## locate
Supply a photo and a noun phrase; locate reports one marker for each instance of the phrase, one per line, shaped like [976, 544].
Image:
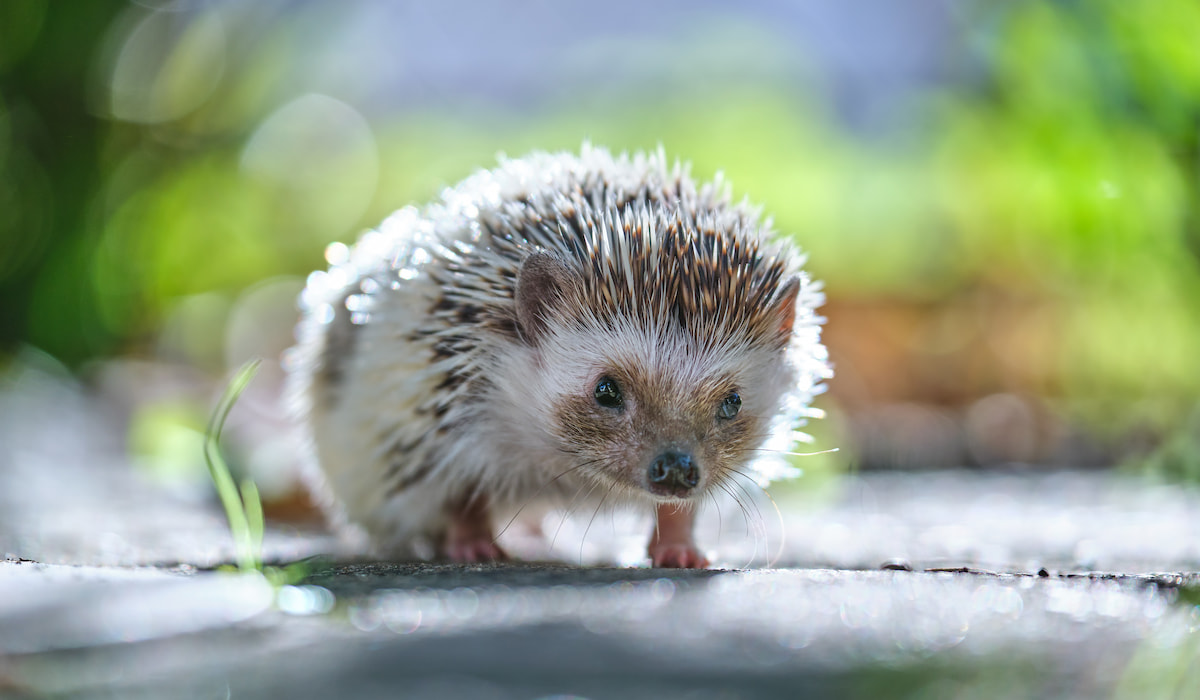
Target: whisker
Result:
[782, 530]
[745, 519]
[567, 512]
[778, 515]
[537, 493]
[720, 519]
[741, 506]
[761, 520]
[793, 454]
[587, 529]
[742, 487]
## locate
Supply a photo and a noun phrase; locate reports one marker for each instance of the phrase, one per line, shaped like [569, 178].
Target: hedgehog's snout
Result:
[673, 473]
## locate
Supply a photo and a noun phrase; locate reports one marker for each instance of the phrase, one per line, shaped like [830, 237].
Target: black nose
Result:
[674, 470]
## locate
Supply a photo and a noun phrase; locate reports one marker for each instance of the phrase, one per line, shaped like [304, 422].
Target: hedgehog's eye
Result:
[729, 406]
[608, 394]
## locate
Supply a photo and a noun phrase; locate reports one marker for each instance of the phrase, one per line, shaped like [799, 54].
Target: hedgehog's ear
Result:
[543, 281]
[785, 306]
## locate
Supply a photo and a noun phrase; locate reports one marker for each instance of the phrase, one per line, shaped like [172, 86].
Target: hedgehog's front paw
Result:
[676, 555]
[469, 538]
[671, 544]
[472, 551]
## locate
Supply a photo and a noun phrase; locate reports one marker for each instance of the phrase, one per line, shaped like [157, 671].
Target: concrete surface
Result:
[921, 585]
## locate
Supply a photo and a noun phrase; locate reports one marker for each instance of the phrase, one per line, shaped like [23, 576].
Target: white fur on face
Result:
[668, 380]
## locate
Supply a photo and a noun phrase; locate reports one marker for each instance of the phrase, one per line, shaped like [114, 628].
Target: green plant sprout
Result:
[243, 507]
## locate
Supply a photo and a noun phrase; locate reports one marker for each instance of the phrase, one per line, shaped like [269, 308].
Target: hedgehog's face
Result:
[664, 419]
[640, 402]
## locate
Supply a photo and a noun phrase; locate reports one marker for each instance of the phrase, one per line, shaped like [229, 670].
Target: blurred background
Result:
[1001, 199]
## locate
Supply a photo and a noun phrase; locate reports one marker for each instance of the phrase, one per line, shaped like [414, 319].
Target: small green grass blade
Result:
[243, 510]
[254, 520]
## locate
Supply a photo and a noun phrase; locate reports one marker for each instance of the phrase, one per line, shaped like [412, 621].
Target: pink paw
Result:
[676, 556]
[473, 551]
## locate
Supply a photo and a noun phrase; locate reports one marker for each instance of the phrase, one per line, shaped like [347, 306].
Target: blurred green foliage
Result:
[148, 159]
[1073, 178]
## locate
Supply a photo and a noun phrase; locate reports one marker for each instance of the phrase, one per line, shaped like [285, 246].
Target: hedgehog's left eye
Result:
[729, 406]
[608, 394]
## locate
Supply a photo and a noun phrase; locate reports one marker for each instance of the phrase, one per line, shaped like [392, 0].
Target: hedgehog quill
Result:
[559, 327]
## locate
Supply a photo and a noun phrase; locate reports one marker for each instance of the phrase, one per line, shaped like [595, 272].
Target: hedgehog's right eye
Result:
[730, 406]
[608, 394]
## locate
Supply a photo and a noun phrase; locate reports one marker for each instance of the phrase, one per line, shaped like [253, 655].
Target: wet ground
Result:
[936, 585]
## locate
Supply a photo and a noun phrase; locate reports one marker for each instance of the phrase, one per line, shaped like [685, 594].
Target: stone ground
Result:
[927, 585]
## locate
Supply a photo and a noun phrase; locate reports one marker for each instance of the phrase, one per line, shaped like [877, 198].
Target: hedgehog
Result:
[561, 329]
